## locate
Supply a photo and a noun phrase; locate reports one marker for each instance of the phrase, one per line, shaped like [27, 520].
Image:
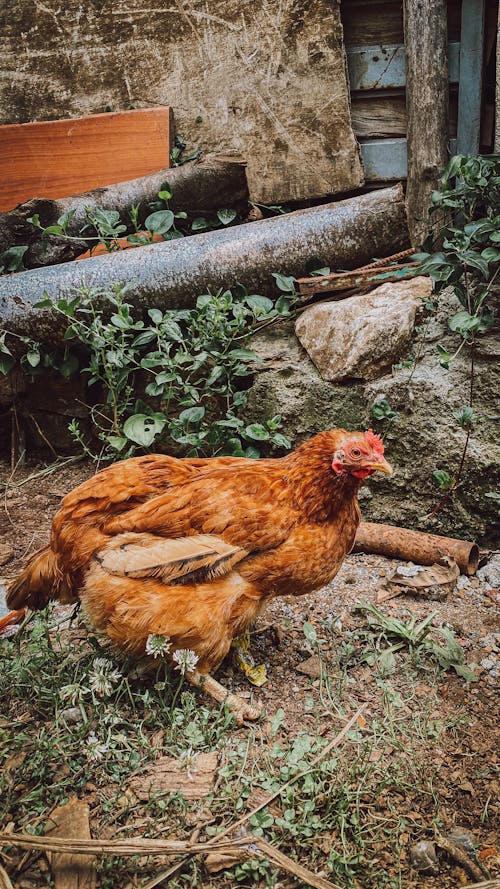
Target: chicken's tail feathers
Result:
[39, 581]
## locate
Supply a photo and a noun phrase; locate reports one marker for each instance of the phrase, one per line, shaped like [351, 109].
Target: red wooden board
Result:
[58, 158]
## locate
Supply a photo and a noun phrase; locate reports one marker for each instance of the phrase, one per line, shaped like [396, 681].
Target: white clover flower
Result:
[72, 693]
[186, 660]
[110, 718]
[188, 760]
[103, 676]
[157, 645]
[95, 750]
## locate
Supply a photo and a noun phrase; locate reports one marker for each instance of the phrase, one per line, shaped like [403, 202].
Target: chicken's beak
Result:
[382, 466]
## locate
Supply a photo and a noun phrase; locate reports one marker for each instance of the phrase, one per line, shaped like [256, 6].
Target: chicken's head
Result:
[361, 454]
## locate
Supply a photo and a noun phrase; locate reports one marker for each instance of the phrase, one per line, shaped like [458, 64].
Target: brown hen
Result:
[193, 549]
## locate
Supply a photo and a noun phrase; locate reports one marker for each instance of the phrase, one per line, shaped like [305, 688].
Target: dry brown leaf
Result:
[217, 861]
[70, 871]
[310, 667]
[170, 775]
[438, 579]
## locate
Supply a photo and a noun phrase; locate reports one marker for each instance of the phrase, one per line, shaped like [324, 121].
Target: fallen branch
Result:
[200, 187]
[172, 274]
[125, 848]
[138, 846]
[415, 546]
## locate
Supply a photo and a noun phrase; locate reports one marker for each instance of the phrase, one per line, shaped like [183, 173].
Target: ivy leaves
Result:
[192, 368]
[469, 260]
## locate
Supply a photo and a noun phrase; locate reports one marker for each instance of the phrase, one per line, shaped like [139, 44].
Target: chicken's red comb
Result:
[375, 442]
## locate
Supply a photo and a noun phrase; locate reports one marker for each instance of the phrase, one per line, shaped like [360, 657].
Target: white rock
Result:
[360, 337]
[489, 575]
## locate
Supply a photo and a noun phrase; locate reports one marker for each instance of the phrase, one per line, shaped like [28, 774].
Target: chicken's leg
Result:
[239, 707]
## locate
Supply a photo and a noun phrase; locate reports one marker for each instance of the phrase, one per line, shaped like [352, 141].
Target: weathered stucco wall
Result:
[423, 437]
[267, 79]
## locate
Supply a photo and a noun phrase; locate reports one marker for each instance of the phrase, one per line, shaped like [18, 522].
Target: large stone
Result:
[361, 337]
[287, 383]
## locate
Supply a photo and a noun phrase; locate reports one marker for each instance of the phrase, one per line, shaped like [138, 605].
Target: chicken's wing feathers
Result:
[179, 560]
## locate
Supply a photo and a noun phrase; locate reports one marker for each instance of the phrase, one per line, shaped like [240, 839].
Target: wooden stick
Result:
[5, 882]
[139, 846]
[287, 864]
[132, 846]
[415, 546]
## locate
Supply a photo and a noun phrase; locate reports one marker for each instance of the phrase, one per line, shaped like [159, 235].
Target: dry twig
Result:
[4, 879]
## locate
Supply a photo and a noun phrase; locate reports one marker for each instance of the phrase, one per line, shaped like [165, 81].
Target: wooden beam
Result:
[426, 45]
[471, 77]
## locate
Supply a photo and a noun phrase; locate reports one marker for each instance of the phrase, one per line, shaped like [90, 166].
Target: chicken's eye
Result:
[355, 453]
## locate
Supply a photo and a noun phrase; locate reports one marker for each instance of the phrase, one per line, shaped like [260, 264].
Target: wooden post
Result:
[426, 43]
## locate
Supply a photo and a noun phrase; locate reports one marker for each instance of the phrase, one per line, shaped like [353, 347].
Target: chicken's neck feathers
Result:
[316, 489]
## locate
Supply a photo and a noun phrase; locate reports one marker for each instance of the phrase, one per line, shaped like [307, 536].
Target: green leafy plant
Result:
[382, 410]
[468, 261]
[106, 227]
[443, 479]
[416, 636]
[192, 367]
[11, 260]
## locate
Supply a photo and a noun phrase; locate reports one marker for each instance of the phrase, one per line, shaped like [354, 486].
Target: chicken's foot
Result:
[239, 707]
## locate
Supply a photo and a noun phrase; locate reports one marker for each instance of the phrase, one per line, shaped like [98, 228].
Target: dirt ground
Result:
[451, 724]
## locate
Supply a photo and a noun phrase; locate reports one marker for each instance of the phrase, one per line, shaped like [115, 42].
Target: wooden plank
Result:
[369, 22]
[378, 116]
[386, 159]
[384, 116]
[366, 24]
[471, 70]
[384, 67]
[58, 158]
